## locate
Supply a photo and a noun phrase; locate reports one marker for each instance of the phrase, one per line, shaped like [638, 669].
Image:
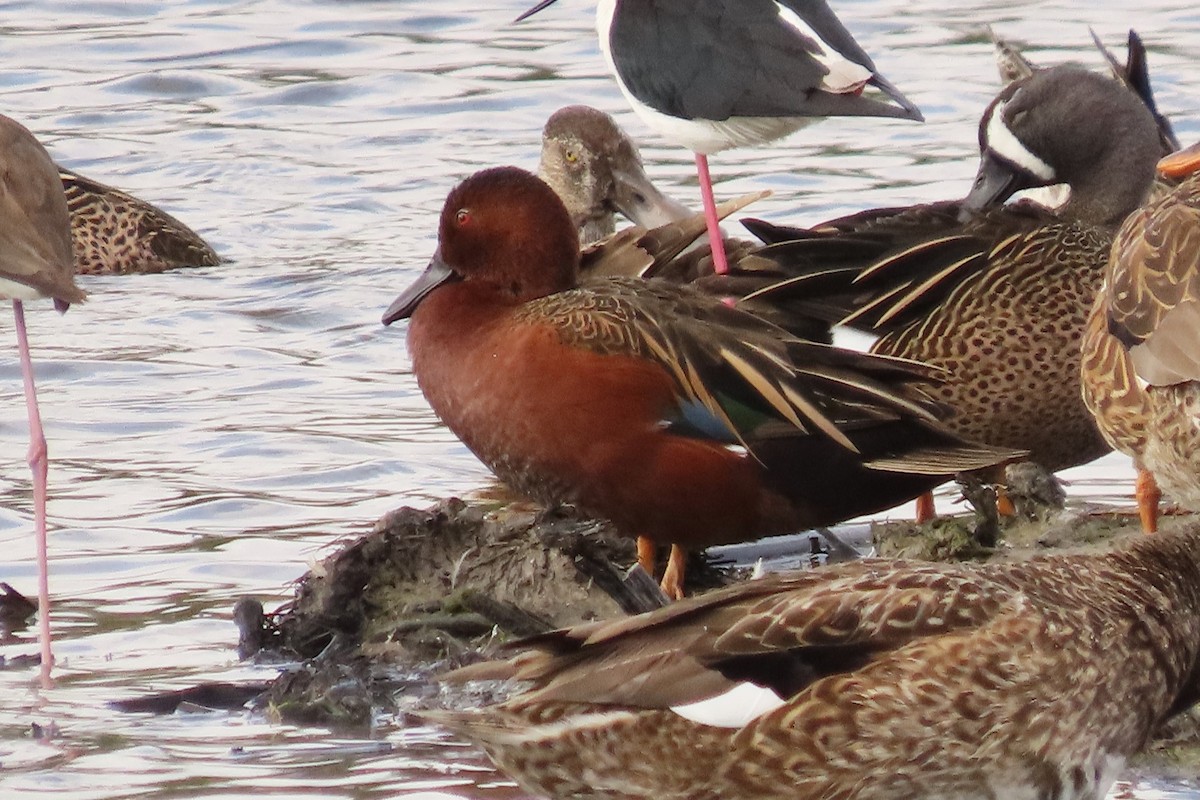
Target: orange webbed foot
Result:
[672, 582]
[1004, 503]
[1148, 497]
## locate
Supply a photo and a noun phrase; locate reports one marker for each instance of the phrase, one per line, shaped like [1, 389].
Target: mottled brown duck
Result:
[998, 297]
[1141, 352]
[115, 233]
[35, 264]
[872, 680]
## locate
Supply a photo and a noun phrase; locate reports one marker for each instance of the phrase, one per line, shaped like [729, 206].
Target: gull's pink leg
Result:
[720, 264]
[38, 463]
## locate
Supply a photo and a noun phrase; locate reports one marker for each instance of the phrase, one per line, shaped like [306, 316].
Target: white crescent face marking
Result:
[844, 75]
[1004, 143]
[735, 708]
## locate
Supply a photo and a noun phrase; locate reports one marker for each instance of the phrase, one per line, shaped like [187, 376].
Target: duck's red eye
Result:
[462, 217]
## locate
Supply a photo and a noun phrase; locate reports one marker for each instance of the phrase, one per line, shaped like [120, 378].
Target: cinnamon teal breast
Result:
[649, 403]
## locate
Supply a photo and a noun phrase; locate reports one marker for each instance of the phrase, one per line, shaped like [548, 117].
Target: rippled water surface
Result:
[212, 431]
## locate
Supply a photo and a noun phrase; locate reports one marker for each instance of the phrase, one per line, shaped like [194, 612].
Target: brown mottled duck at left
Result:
[115, 233]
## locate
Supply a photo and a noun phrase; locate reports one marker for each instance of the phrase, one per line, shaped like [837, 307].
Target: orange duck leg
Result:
[672, 580]
[1148, 497]
[1004, 503]
[925, 508]
[647, 554]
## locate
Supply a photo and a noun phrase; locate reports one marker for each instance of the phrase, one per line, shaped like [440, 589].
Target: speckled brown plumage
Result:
[1010, 336]
[1141, 357]
[113, 232]
[897, 679]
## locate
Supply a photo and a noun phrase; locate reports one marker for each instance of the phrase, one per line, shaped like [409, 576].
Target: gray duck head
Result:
[597, 171]
[1068, 125]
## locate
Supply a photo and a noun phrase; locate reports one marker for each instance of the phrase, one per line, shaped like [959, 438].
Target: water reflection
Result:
[212, 431]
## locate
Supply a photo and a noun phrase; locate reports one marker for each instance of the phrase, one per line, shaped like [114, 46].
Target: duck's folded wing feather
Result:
[780, 633]
[1154, 292]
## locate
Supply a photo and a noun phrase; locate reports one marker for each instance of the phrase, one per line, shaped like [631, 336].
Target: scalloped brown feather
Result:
[114, 232]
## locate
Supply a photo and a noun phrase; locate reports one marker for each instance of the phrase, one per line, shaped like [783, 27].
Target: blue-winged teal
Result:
[996, 296]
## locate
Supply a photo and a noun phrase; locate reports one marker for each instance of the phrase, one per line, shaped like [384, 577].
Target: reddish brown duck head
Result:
[504, 231]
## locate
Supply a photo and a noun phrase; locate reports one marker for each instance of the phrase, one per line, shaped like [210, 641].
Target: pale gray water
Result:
[212, 431]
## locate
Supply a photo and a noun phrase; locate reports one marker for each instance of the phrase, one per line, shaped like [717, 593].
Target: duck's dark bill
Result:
[434, 276]
[641, 201]
[995, 182]
[534, 10]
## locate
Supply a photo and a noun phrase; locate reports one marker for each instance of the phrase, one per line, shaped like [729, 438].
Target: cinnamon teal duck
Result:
[1141, 359]
[649, 403]
[715, 74]
[113, 232]
[997, 296]
[870, 680]
[35, 264]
